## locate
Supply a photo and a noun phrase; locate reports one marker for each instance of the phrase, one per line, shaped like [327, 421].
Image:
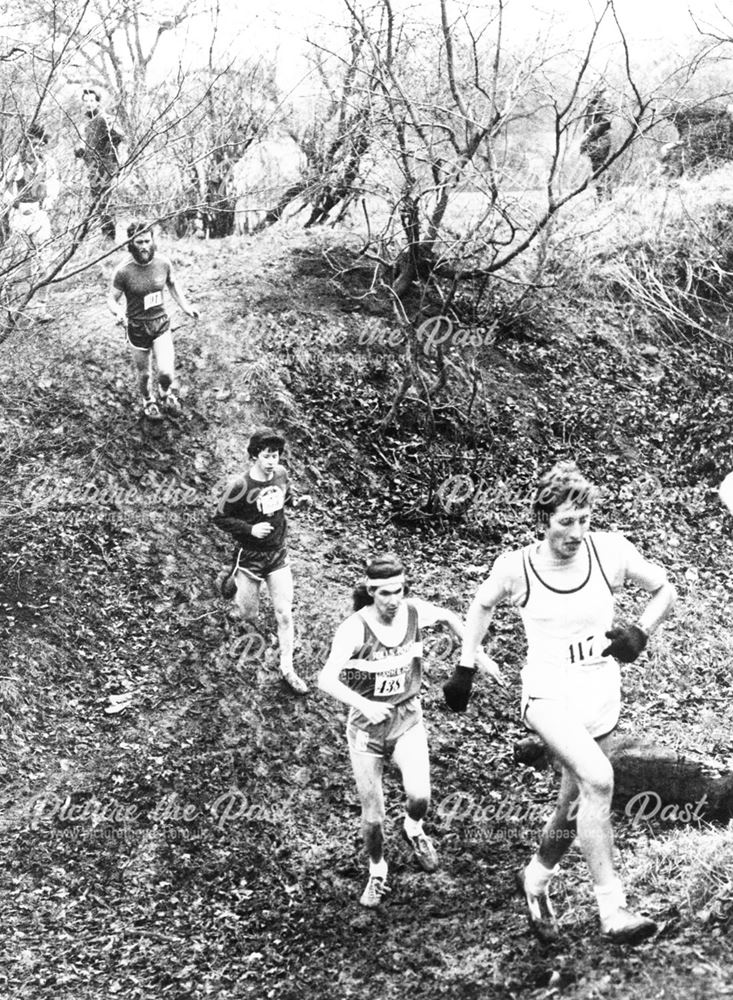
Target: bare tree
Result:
[340, 132]
[460, 227]
[451, 102]
[335, 140]
[34, 72]
[115, 46]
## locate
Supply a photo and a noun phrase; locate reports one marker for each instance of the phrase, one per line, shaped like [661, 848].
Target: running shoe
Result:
[151, 411]
[226, 584]
[540, 913]
[294, 682]
[170, 403]
[424, 850]
[375, 889]
[626, 927]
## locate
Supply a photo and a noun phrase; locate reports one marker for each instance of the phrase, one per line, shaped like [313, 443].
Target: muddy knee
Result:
[597, 788]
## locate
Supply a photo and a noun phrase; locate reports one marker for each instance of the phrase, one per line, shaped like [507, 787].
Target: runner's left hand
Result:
[626, 643]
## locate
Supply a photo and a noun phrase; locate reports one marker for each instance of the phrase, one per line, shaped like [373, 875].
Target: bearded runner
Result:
[143, 279]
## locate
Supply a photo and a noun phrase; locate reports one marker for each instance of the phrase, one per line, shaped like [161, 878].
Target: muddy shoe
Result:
[170, 403]
[225, 585]
[151, 411]
[294, 682]
[375, 889]
[540, 913]
[625, 927]
[424, 851]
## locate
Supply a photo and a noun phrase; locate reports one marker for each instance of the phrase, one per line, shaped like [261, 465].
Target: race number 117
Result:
[581, 650]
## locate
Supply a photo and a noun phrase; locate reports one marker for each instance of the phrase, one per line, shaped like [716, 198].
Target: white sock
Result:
[378, 869]
[413, 827]
[610, 898]
[537, 876]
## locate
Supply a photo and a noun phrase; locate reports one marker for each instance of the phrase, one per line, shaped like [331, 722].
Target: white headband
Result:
[386, 581]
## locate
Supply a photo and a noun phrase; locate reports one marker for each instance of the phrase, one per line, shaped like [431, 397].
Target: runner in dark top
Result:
[375, 667]
[142, 279]
[252, 510]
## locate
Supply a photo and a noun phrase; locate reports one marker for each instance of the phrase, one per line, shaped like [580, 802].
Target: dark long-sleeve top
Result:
[247, 501]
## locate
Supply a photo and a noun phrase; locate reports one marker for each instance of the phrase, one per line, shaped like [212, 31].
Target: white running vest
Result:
[566, 631]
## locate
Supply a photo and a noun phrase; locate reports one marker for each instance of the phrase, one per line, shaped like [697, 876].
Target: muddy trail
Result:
[175, 822]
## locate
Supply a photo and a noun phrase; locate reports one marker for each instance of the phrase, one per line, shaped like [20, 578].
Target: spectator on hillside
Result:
[596, 142]
[101, 151]
[30, 186]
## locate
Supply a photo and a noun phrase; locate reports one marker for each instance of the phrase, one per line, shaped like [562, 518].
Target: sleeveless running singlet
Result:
[566, 631]
[390, 674]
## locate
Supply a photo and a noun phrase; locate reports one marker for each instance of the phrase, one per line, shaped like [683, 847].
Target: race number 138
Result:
[386, 685]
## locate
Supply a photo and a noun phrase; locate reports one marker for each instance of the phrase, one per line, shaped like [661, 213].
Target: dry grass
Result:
[692, 868]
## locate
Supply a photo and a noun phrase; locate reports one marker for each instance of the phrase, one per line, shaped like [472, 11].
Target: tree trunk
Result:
[275, 214]
[648, 778]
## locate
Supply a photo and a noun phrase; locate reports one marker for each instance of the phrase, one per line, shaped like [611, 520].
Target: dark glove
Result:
[626, 643]
[457, 690]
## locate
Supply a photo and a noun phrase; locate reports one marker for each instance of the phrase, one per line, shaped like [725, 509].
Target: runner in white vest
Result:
[563, 587]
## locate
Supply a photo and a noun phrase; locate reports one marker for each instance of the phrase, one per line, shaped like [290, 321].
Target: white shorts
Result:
[591, 693]
[379, 739]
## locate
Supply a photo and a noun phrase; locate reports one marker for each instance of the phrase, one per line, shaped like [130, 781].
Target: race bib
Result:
[270, 500]
[152, 299]
[389, 683]
[585, 652]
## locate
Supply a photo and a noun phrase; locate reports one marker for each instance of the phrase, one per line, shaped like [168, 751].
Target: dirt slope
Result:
[204, 841]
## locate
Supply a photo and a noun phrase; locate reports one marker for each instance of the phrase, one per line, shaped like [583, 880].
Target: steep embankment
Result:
[204, 840]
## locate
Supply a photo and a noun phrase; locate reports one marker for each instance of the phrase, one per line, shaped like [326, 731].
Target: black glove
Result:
[457, 690]
[626, 643]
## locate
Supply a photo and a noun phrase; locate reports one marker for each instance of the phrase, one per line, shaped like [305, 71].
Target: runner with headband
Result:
[563, 587]
[375, 667]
